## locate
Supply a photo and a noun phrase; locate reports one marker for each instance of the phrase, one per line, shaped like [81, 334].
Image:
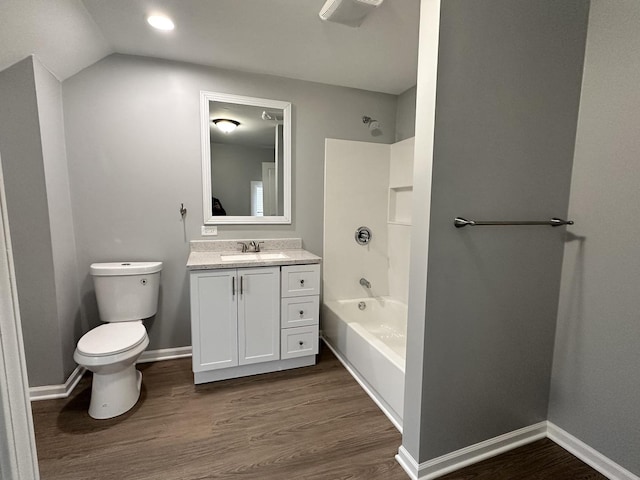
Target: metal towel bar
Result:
[460, 222]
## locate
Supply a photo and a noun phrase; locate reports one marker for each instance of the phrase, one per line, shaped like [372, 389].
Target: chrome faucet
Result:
[243, 246]
[255, 246]
[365, 283]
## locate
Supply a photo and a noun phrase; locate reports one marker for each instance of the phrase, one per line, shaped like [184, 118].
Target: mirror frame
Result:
[209, 218]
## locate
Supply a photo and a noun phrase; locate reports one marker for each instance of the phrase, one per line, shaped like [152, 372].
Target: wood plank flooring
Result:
[541, 460]
[309, 423]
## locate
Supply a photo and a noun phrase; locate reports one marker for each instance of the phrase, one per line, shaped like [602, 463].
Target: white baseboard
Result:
[480, 451]
[588, 455]
[408, 463]
[164, 354]
[51, 392]
[469, 455]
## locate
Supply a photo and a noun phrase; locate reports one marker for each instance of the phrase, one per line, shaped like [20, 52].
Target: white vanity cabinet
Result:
[300, 310]
[235, 317]
[246, 321]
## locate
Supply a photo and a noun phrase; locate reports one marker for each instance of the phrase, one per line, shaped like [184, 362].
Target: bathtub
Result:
[371, 343]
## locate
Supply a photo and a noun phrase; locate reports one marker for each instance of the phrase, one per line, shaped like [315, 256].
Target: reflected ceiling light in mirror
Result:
[160, 22]
[225, 125]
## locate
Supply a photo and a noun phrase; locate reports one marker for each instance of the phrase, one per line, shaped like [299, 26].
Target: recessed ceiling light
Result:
[160, 22]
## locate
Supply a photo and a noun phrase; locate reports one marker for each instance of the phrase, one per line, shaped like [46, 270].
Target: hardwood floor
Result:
[541, 460]
[308, 423]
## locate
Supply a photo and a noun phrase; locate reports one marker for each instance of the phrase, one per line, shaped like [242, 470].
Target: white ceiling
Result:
[60, 33]
[278, 37]
[253, 131]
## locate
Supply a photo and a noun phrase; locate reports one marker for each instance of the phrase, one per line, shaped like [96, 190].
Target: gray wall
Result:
[233, 167]
[27, 204]
[133, 146]
[595, 389]
[509, 79]
[406, 115]
[63, 246]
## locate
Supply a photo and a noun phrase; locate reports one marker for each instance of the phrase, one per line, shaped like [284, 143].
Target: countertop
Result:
[213, 260]
[209, 257]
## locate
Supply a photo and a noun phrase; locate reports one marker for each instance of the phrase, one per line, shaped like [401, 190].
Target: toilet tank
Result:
[126, 291]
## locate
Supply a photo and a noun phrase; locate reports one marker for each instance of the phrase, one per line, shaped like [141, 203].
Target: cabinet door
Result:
[214, 330]
[259, 315]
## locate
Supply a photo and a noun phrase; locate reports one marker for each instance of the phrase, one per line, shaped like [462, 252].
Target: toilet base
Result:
[114, 393]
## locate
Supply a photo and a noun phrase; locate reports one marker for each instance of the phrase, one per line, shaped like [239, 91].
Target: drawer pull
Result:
[301, 343]
[301, 313]
[302, 283]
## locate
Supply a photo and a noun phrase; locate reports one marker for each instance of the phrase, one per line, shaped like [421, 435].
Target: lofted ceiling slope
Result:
[278, 37]
[61, 33]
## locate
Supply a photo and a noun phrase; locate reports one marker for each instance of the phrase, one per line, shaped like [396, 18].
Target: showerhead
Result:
[271, 116]
[374, 125]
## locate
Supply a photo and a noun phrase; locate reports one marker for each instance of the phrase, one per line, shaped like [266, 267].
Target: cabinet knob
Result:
[301, 343]
[301, 312]
[302, 283]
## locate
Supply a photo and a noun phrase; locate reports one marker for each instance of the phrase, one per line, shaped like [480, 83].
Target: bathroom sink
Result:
[272, 256]
[239, 257]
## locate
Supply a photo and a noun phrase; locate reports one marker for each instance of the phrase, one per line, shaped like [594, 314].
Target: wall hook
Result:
[183, 211]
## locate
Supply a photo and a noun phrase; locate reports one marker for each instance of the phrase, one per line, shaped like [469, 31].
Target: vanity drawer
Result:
[299, 311]
[300, 280]
[299, 342]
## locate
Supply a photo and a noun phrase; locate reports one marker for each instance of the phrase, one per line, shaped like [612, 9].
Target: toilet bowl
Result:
[126, 293]
[110, 351]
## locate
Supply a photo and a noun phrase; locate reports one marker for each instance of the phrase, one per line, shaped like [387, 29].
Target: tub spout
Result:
[365, 283]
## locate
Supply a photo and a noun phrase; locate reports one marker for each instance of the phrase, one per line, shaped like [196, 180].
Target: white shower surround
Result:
[359, 177]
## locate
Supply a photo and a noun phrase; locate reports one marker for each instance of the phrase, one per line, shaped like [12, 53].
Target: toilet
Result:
[126, 293]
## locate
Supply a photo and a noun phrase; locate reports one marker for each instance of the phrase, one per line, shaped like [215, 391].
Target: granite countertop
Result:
[207, 254]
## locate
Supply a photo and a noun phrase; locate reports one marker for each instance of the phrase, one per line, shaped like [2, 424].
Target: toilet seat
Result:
[112, 338]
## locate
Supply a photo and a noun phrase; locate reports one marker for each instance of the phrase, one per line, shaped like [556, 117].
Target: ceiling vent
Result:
[348, 12]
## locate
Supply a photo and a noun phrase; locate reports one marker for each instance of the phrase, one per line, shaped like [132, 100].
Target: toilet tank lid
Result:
[124, 268]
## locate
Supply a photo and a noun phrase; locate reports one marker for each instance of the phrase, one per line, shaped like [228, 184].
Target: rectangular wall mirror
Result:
[246, 159]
